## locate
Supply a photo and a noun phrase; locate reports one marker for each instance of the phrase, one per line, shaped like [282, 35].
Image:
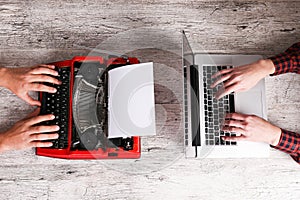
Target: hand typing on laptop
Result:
[24, 79]
[242, 78]
[253, 128]
[28, 132]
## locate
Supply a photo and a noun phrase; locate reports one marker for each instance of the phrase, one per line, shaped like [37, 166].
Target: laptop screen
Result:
[187, 53]
[191, 95]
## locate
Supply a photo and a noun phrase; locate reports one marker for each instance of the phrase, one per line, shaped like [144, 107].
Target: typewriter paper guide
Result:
[131, 107]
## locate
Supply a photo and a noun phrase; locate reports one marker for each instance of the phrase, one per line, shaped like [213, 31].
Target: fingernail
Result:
[57, 128]
[54, 90]
[52, 117]
[56, 136]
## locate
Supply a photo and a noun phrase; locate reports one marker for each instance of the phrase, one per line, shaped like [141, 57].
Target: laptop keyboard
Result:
[215, 110]
[58, 104]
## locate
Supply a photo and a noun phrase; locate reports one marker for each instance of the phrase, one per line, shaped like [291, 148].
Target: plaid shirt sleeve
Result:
[289, 143]
[289, 61]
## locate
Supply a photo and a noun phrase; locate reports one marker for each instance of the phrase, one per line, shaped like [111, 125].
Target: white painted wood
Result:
[33, 32]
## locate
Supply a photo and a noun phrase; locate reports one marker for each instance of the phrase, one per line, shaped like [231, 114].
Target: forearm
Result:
[2, 143]
[3, 76]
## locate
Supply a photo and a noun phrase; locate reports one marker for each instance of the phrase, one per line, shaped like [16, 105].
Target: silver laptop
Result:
[204, 115]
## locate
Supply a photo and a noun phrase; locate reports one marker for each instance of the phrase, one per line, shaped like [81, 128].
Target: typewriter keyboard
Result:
[58, 104]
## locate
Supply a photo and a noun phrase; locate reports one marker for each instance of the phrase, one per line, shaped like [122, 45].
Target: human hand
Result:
[251, 128]
[242, 78]
[28, 133]
[24, 79]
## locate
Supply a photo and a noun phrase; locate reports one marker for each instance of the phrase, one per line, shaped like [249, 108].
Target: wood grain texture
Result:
[33, 32]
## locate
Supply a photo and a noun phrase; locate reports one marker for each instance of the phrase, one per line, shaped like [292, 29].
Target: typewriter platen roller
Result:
[90, 107]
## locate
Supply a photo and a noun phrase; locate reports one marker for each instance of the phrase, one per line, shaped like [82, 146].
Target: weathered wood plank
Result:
[283, 100]
[95, 181]
[218, 26]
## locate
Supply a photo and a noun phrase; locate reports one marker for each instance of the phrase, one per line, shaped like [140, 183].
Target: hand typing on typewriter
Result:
[29, 133]
[24, 79]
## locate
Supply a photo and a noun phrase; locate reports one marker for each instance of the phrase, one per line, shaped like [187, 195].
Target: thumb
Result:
[31, 100]
[33, 114]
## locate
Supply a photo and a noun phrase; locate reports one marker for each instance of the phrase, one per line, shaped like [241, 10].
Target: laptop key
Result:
[215, 109]
[217, 141]
[222, 142]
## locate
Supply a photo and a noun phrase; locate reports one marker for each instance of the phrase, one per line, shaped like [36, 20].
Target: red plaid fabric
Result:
[290, 143]
[289, 61]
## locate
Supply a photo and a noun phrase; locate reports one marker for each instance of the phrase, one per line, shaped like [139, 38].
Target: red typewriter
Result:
[80, 109]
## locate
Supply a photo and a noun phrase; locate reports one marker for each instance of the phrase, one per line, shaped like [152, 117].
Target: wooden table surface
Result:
[42, 31]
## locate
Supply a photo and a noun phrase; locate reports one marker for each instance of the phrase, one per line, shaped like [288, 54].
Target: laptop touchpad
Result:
[250, 102]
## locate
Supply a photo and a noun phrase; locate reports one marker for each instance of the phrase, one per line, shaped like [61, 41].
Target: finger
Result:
[44, 70]
[234, 138]
[41, 137]
[33, 114]
[31, 100]
[42, 88]
[220, 80]
[39, 119]
[43, 129]
[40, 144]
[223, 92]
[230, 81]
[233, 129]
[48, 66]
[236, 116]
[45, 78]
[224, 71]
[234, 123]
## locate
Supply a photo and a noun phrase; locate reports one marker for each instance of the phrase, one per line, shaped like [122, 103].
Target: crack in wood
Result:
[154, 148]
[217, 8]
[71, 172]
[287, 30]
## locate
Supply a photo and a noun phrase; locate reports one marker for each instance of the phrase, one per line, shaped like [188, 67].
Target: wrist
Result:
[267, 65]
[275, 137]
